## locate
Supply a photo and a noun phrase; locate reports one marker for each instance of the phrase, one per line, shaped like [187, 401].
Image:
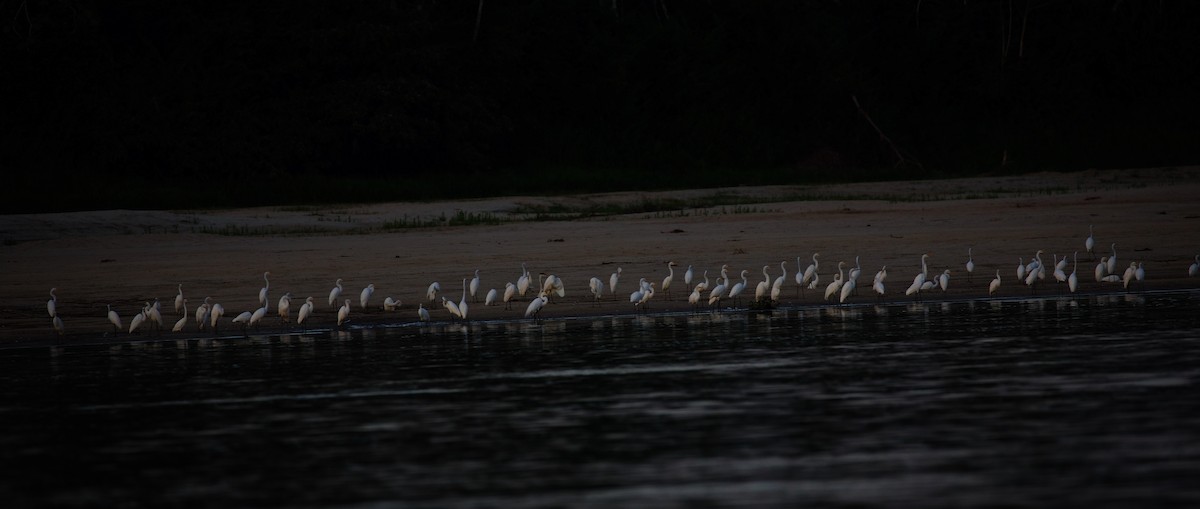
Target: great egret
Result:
[777, 286]
[1112, 260]
[1020, 269]
[944, 280]
[523, 281]
[422, 313]
[243, 318]
[390, 304]
[179, 325]
[644, 302]
[215, 315]
[922, 277]
[848, 286]
[612, 281]
[687, 275]
[258, 316]
[836, 284]
[1073, 280]
[1128, 275]
[735, 292]
[57, 323]
[462, 303]
[262, 292]
[115, 319]
[1102, 269]
[431, 293]
[451, 307]
[180, 302]
[1194, 268]
[809, 273]
[877, 284]
[1140, 275]
[666, 284]
[202, 313]
[155, 316]
[636, 295]
[596, 286]
[764, 287]
[284, 307]
[510, 291]
[535, 307]
[852, 274]
[995, 285]
[703, 286]
[343, 313]
[1059, 274]
[970, 265]
[475, 286]
[52, 304]
[718, 292]
[306, 310]
[137, 320]
[335, 292]
[365, 295]
[694, 298]
[490, 299]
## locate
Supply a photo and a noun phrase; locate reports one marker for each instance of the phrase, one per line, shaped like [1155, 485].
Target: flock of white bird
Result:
[767, 292]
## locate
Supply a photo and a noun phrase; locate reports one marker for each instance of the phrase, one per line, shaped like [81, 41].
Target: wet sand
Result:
[126, 258]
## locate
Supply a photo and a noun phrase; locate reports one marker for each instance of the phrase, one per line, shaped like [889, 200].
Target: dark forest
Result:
[178, 104]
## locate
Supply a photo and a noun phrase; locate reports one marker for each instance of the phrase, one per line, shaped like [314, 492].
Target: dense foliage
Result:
[185, 103]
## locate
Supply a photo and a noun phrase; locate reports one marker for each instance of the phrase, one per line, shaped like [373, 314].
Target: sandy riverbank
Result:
[125, 258]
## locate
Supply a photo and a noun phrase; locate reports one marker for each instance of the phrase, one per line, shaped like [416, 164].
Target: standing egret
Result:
[179, 325]
[523, 281]
[52, 304]
[431, 293]
[612, 281]
[877, 284]
[764, 287]
[1073, 280]
[284, 307]
[244, 319]
[155, 317]
[852, 274]
[596, 286]
[1127, 276]
[735, 292]
[335, 292]
[849, 286]
[836, 284]
[777, 285]
[694, 298]
[809, 273]
[687, 275]
[306, 310]
[215, 315]
[1102, 269]
[921, 278]
[1140, 275]
[644, 303]
[202, 313]
[343, 313]
[475, 286]
[1194, 268]
[1112, 260]
[422, 313]
[1090, 243]
[703, 286]
[115, 319]
[390, 304]
[944, 280]
[1020, 269]
[137, 320]
[535, 307]
[510, 291]
[262, 292]
[636, 295]
[258, 316]
[462, 303]
[490, 299]
[1060, 274]
[366, 295]
[995, 283]
[180, 302]
[718, 292]
[970, 266]
[666, 284]
[451, 307]
[57, 323]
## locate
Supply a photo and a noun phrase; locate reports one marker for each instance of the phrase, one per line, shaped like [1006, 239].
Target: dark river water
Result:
[1037, 403]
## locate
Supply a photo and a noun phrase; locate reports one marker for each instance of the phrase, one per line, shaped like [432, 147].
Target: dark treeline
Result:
[183, 103]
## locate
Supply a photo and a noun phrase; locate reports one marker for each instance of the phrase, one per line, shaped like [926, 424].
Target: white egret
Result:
[970, 265]
[335, 292]
[643, 303]
[1102, 269]
[1112, 260]
[703, 286]
[523, 281]
[284, 307]
[365, 295]
[1059, 274]
[852, 274]
[306, 310]
[202, 313]
[52, 304]
[510, 291]
[596, 286]
[57, 323]
[179, 325]
[490, 299]
[475, 286]
[343, 313]
[718, 292]
[451, 307]
[877, 284]
[535, 307]
[764, 287]
[390, 304]
[1194, 268]
[243, 318]
[687, 275]
[1073, 279]
[462, 303]
[115, 319]
[995, 285]
[215, 315]
[836, 284]
[262, 292]
[136, 321]
[155, 316]
[180, 302]
[735, 292]
[636, 295]
[422, 313]
[666, 284]
[1140, 275]
[1020, 269]
[848, 288]
[612, 281]
[944, 280]
[694, 298]
[258, 316]
[777, 285]
[431, 293]
[1128, 275]
[809, 273]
